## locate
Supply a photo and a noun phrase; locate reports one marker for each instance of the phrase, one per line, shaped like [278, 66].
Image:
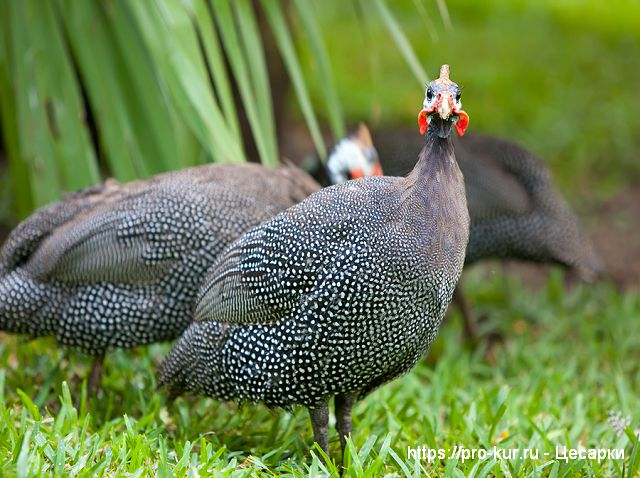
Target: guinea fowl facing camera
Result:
[339, 294]
[119, 265]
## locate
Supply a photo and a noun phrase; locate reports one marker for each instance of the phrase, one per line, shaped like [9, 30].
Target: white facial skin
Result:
[432, 100]
[348, 156]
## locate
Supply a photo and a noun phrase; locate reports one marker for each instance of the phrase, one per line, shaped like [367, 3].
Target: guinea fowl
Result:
[352, 158]
[339, 294]
[119, 265]
[516, 211]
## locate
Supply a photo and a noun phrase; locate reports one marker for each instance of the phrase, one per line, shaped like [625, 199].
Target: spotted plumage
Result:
[334, 296]
[119, 265]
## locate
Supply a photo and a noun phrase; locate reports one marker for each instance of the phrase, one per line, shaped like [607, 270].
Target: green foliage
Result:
[558, 77]
[157, 81]
[568, 360]
[156, 78]
[323, 71]
[285, 44]
[40, 100]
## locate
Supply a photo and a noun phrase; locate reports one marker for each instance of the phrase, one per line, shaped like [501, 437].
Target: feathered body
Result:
[516, 210]
[335, 296]
[119, 265]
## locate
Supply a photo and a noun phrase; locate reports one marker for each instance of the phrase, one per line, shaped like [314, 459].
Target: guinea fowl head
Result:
[354, 157]
[442, 107]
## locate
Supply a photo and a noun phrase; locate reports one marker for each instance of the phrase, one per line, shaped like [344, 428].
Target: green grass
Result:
[569, 358]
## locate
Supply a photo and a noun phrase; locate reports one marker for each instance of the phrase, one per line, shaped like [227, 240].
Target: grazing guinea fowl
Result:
[339, 294]
[119, 265]
[516, 211]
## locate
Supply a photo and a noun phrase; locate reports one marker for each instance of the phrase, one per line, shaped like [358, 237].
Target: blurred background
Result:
[90, 90]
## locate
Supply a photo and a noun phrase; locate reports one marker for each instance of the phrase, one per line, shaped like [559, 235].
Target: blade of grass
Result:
[312, 32]
[202, 17]
[59, 91]
[444, 13]
[230, 36]
[254, 52]
[170, 36]
[33, 132]
[151, 109]
[401, 41]
[364, 20]
[285, 44]
[102, 69]
[430, 27]
[18, 170]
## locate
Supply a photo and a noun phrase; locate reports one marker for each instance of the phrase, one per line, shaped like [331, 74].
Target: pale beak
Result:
[445, 106]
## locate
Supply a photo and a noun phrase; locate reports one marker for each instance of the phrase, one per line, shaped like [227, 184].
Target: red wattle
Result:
[462, 123]
[423, 122]
[357, 173]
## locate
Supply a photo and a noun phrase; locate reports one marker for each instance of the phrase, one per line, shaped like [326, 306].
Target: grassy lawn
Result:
[569, 359]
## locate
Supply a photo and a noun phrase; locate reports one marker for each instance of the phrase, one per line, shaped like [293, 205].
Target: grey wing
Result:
[25, 239]
[260, 278]
[136, 240]
[272, 268]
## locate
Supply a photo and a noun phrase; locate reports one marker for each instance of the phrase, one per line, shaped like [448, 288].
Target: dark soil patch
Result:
[616, 233]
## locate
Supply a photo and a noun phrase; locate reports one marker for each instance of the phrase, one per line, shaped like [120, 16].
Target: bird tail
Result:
[180, 365]
[194, 363]
[25, 305]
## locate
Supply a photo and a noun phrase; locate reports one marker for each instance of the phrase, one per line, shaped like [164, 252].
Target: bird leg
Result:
[319, 422]
[95, 376]
[343, 405]
[470, 325]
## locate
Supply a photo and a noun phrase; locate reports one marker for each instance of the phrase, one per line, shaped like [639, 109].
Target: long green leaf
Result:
[444, 13]
[254, 52]
[312, 32]
[401, 41]
[170, 36]
[48, 141]
[231, 40]
[201, 15]
[287, 50]
[365, 20]
[103, 73]
[149, 104]
[58, 89]
[33, 131]
[18, 169]
[430, 27]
